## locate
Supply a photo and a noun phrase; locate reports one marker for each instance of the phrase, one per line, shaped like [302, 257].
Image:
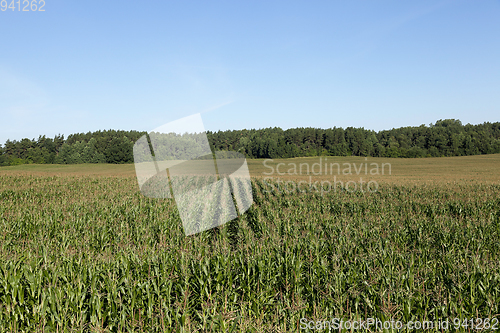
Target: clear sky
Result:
[82, 66]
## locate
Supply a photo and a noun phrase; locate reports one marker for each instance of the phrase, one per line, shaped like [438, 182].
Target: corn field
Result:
[92, 254]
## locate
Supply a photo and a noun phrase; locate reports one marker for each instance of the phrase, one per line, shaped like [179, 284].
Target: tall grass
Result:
[92, 254]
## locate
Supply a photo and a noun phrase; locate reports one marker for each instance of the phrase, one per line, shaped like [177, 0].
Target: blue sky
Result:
[87, 65]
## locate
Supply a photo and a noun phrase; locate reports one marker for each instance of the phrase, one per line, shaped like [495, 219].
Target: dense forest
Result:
[444, 138]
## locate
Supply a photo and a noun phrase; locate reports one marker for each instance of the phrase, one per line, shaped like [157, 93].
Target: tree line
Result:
[92, 147]
[447, 137]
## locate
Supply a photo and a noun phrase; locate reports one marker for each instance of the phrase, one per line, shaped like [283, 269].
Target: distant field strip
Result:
[479, 168]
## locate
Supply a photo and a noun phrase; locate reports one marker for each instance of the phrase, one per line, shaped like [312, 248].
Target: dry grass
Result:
[479, 168]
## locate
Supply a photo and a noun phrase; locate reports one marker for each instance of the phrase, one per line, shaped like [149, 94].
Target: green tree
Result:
[119, 150]
[90, 153]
